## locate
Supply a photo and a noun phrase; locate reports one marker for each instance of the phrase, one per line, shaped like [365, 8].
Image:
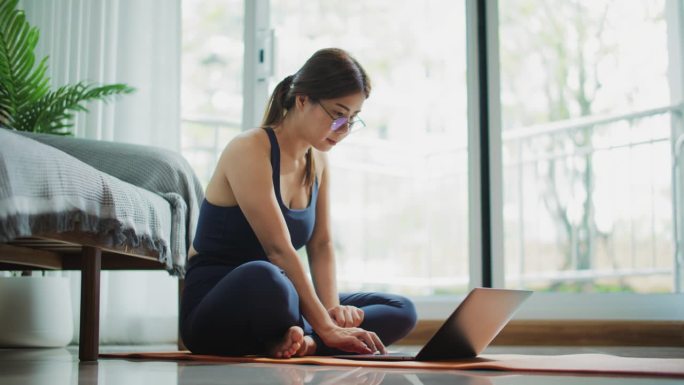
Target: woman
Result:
[246, 290]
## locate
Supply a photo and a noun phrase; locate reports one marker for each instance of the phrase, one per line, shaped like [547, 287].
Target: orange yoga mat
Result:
[573, 363]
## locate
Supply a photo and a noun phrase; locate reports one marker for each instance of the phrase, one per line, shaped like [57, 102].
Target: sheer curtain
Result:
[138, 43]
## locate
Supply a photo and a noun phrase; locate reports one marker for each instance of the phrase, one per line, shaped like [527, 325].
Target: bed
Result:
[79, 204]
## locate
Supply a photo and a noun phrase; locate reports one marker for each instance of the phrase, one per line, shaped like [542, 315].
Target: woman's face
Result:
[328, 119]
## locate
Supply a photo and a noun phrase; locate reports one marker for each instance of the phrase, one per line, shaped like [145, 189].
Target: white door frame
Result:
[258, 61]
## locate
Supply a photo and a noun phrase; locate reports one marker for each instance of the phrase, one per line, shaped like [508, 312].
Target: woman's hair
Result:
[329, 74]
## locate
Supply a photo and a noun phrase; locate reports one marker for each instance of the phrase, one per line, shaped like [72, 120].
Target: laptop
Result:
[469, 329]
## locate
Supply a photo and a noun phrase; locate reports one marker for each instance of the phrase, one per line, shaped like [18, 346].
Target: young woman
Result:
[246, 290]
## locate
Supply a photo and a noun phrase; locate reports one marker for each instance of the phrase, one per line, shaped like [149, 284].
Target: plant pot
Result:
[35, 312]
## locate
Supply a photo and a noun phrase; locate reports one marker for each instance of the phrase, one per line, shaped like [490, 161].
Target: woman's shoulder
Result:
[251, 143]
[249, 147]
[246, 151]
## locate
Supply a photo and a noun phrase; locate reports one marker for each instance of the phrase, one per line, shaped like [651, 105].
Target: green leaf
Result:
[26, 101]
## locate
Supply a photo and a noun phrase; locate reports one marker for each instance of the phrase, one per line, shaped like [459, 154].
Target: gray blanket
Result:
[128, 194]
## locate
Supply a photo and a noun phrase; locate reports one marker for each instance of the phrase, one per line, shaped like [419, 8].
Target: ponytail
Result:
[281, 100]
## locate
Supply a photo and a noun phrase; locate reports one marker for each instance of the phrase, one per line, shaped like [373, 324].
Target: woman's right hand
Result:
[354, 340]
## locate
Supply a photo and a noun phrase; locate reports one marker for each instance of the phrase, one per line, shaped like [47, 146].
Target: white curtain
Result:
[117, 41]
[138, 43]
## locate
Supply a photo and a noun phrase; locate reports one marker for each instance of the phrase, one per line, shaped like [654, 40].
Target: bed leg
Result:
[181, 286]
[91, 262]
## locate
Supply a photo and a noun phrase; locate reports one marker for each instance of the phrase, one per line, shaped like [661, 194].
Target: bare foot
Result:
[308, 347]
[292, 342]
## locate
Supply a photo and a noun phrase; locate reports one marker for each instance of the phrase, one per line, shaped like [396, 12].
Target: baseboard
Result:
[572, 333]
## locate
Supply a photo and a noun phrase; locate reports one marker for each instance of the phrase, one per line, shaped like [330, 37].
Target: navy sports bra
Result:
[223, 233]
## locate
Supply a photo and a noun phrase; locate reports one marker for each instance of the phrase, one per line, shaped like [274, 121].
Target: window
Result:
[211, 89]
[591, 119]
[587, 137]
[399, 186]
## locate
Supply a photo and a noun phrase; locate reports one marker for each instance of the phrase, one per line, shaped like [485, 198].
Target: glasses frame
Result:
[343, 121]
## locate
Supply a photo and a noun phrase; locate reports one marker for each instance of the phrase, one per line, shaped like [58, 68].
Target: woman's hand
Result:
[354, 340]
[346, 316]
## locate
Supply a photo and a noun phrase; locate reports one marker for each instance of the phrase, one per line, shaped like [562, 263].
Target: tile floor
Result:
[61, 367]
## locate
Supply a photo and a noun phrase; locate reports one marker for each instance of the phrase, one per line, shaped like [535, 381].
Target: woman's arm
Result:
[320, 247]
[322, 256]
[246, 166]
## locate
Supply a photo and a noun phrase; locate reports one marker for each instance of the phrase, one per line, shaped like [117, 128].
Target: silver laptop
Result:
[469, 329]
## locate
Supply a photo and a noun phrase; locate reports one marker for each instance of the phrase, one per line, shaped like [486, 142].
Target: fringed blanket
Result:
[44, 189]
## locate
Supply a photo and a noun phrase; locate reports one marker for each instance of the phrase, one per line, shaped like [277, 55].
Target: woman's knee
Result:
[407, 317]
[268, 283]
[258, 268]
[262, 274]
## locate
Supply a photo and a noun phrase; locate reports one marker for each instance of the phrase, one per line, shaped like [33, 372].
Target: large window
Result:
[211, 89]
[400, 186]
[587, 138]
[591, 115]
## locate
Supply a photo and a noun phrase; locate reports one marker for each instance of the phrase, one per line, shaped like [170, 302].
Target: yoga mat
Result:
[572, 363]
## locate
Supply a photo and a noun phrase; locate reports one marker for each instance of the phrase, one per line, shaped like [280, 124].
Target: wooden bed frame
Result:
[79, 251]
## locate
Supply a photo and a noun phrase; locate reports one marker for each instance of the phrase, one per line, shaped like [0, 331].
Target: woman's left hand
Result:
[346, 316]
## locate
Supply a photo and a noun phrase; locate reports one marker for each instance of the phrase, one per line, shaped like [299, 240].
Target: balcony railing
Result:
[519, 138]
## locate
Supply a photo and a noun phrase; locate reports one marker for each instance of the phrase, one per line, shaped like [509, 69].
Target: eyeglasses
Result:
[343, 124]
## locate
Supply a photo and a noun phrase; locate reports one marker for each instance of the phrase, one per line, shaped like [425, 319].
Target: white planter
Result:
[35, 312]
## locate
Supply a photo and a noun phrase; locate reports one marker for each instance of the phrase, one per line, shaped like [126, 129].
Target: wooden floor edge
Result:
[572, 333]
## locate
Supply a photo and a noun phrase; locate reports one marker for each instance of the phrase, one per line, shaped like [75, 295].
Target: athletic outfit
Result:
[236, 302]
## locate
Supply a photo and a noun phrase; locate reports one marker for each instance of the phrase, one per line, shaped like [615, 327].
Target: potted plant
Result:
[36, 311]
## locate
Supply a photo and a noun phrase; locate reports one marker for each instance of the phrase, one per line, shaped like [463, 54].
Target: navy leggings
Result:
[246, 309]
